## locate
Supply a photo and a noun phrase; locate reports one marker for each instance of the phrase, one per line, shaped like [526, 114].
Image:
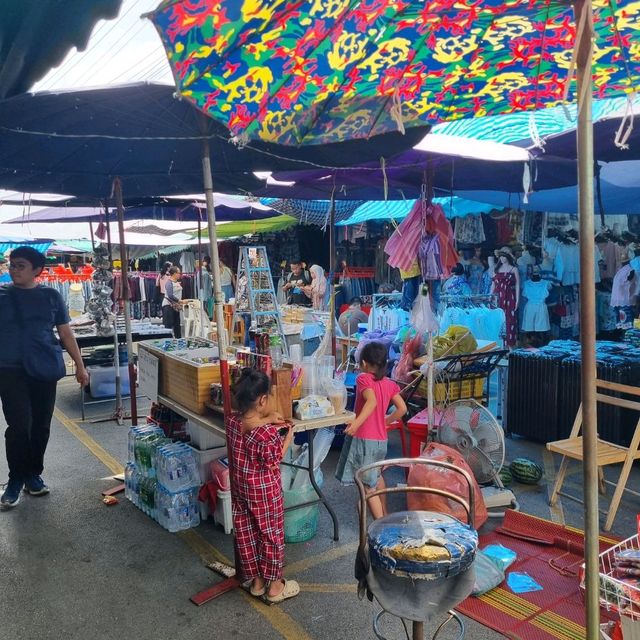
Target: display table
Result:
[86, 340]
[215, 424]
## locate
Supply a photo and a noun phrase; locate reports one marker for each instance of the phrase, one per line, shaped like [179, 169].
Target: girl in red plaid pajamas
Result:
[257, 448]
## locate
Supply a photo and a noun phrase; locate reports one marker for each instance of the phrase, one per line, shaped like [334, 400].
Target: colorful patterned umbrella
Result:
[298, 72]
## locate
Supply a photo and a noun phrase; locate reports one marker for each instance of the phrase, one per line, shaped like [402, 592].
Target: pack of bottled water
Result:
[162, 478]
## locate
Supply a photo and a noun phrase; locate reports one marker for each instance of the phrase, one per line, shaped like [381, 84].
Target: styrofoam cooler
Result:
[102, 381]
[204, 439]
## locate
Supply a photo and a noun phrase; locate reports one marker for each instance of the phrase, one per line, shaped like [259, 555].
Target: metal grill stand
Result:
[419, 591]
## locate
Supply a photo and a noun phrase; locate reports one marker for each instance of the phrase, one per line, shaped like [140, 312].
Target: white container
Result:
[223, 514]
[102, 381]
[204, 439]
[205, 458]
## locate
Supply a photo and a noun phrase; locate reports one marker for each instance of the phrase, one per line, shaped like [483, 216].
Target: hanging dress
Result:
[505, 290]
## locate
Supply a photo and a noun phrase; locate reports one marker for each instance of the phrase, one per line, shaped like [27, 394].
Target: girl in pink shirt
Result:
[366, 437]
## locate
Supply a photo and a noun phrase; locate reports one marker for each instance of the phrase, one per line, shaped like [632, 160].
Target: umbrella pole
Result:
[93, 242]
[124, 270]
[332, 261]
[587, 315]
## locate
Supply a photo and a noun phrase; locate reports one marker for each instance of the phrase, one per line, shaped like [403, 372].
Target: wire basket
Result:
[618, 592]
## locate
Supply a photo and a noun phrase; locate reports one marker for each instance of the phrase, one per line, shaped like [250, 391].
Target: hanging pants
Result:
[28, 406]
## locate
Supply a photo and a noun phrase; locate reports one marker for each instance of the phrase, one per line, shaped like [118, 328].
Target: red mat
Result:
[555, 612]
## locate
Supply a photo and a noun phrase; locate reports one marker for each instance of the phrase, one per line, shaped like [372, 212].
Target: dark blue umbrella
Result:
[77, 142]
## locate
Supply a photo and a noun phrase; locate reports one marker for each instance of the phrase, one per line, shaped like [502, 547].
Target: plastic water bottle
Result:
[275, 351]
[129, 470]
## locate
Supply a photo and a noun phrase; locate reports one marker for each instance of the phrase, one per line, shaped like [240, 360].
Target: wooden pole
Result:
[124, 271]
[584, 13]
[215, 274]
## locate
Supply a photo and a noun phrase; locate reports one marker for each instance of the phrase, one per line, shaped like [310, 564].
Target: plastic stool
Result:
[223, 515]
[398, 425]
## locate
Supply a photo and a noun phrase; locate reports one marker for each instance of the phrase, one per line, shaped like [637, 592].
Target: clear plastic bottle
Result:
[275, 351]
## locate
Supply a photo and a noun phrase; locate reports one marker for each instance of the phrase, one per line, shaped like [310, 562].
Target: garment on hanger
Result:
[187, 262]
[608, 251]
[535, 316]
[483, 322]
[469, 230]
[429, 257]
[525, 264]
[567, 264]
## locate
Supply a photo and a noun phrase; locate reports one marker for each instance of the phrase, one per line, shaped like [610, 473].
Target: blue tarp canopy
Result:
[77, 142]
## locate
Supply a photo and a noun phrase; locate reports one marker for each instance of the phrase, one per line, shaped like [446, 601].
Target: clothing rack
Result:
[467, 301]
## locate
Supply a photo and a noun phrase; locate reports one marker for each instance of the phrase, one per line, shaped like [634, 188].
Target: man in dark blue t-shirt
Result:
[28, 314]
[296, 280]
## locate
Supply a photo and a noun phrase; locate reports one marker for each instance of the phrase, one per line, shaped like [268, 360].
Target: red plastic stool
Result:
[398, 425]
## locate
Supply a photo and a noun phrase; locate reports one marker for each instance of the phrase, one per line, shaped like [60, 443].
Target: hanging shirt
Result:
[623, 289]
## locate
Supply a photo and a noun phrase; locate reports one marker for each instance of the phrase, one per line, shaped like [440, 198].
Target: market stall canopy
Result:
[36, 35]
[619, 193]
[8, 243]
[228, 208]
[348, 212]
[525, 128]
[76, 142]
[404, 176]
[316, 72]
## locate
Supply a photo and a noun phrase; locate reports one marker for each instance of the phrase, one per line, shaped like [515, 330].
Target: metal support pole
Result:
[93, 241]
[124, 270]
[332, 262]
[584, 12]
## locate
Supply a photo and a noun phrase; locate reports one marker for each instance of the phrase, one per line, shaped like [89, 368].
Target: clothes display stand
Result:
[255, 293]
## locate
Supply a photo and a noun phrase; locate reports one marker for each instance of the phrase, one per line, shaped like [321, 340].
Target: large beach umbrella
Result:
[311, 72]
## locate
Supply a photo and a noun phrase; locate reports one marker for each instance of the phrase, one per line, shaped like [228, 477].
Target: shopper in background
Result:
[352, 317]
[294, 287]
[5, 278]
[205, 286]
[366, 437]
[457, 283]
[227, 281]
[318, 288]
[161, 281]
[172, 303]
[257, 448]
[31, 364]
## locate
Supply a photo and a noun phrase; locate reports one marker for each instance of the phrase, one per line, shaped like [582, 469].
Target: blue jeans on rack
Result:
[410, 289]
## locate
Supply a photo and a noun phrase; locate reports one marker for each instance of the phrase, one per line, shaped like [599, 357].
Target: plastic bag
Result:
[422, 317]
[522, 583]
[447, 480]
[501, 556]
[488, 575]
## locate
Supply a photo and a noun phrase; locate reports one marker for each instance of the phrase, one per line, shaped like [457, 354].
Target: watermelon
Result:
[505, 477]
[525, 471]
